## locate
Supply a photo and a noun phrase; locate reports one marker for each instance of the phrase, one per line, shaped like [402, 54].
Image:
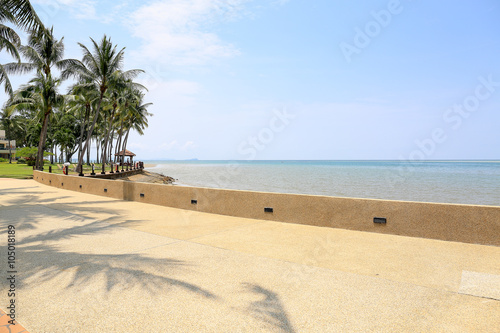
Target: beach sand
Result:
[150, 177]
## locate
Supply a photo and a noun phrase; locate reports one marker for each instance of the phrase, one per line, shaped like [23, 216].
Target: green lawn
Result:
[22, 171]
[18, 171]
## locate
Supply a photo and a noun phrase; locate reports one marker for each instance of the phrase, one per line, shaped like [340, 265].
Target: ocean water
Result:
[465, 182]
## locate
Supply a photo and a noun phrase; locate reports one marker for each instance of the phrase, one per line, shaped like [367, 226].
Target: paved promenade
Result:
[87, 263]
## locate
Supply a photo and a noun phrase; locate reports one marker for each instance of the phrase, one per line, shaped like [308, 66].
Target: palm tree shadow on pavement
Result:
[269, 309]
[43, 256]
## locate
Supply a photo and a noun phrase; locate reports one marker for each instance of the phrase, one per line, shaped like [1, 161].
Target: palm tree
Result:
[42, 52]
[40, 95]
[22, 14]
[82, 98]
[96, 67]
[10, 41]
[121, 88]
[6, 117]
[136, 118]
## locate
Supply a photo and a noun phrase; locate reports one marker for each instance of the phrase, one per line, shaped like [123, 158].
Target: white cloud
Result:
[168, 146]
[188, 145]
[81, 9]
[176, 32]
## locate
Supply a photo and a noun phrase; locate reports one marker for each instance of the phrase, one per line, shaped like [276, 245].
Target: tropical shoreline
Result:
[442, 182]
[150, 177]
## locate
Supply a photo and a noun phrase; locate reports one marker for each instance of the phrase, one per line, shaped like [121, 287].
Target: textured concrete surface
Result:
[94, 264]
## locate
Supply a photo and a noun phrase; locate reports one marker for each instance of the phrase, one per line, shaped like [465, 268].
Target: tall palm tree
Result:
[83, 99]
[40, 95]
[7, 120]
[10, 41]
[136, 118]
[23, 15]
[121, 88]
[96, 67]
[42, 53]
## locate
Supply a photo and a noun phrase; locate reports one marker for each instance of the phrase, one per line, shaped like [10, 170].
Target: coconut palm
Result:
[135, 119]
[7, 120]
[42, 53]
[10, 41]
[21, 14]
[39, 95]
[120, 93]
[96, 67]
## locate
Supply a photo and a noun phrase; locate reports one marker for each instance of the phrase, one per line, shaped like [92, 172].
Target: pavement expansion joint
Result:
[83, 217]
[225, 230]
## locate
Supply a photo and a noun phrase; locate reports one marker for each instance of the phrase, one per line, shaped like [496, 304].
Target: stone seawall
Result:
[450, 222]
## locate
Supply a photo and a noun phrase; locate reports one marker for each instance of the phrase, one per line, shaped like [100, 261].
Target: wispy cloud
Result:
[81, 9]
[179, 32]
[188, 145]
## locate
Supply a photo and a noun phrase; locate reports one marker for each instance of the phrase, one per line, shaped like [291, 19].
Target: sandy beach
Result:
[150, 177]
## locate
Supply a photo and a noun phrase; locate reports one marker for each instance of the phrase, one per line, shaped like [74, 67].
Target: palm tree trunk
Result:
[10, 151]
[97, 149]
[91, 130]
[88, 157]
[125, 144]
[41, 143]
[118, 146]
[106, 140]
[82, 130]
[7, 131]
[111, 148]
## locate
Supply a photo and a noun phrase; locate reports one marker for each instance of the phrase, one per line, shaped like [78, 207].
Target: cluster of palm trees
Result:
[103, 104]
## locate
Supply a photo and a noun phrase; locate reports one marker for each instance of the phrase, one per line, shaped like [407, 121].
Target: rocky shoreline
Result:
[150, 177]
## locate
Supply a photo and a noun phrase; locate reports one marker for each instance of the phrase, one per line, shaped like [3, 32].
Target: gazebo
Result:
[128, 153]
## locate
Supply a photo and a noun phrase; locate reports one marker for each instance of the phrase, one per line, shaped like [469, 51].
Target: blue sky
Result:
[243, 79]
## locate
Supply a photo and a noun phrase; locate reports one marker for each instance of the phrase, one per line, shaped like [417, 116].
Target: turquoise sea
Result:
[466, 182]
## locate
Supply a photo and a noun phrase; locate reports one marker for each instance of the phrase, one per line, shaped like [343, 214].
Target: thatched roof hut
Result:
[128, 153]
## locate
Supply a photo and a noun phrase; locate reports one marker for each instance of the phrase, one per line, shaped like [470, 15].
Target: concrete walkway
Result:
[92, 264]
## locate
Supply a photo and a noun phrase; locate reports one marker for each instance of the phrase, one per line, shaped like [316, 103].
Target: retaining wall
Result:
[451, 222]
